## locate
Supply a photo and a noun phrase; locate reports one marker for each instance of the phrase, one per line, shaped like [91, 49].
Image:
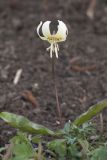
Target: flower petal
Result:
[46, 29]
[62, 30]
[38, 31]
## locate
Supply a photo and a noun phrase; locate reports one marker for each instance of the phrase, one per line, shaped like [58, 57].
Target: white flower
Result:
[53, 32]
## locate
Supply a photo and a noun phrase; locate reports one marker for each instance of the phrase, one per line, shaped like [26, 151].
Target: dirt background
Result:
[81, 68]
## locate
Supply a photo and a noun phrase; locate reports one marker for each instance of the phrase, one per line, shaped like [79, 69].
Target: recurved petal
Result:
[46, 29]
[39, 31]
[62, 30]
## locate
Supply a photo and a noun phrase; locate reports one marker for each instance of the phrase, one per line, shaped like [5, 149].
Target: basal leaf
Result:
[22, 150]
[59, 147]
[99, 154]
[2, 149]
[92, 111]
[24, 124]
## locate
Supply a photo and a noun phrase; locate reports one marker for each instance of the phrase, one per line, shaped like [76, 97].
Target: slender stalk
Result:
[45, 9]
[56, 91]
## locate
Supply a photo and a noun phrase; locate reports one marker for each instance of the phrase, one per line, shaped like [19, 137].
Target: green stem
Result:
[56, 91]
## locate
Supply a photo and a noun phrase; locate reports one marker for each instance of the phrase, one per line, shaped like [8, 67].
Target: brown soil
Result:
[81, 68]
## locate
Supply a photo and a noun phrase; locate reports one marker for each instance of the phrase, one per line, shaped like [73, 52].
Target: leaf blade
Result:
[92, 111]
[24, 124]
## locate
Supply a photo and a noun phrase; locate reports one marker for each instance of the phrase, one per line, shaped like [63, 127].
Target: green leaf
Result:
[67, 127]
[22, 147]
[36, 139]
[2, 149]
[59, 147]
[70, 140]
[85, 146]
[92, 111]
[72, 151]
[23, 150]
[24, 124]
[99, 154]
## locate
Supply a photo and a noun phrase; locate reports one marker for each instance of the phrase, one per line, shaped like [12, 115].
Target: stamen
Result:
[57, 47]
[56, 50]
[48, 48]
[51, 50]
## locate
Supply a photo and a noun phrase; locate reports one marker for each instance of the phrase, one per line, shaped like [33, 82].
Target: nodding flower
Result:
[53, 32]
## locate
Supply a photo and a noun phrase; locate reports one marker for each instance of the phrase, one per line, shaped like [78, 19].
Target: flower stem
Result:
[56, 91]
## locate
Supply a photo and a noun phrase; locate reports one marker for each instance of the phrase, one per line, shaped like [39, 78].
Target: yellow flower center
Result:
[54, 38]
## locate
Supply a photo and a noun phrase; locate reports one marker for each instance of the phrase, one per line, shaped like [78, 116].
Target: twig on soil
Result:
[101, 123]
[91, 9]
[56, 91]
[28, 96]
[83, 69]
[17, 76]
[1, 155]
[40, 157]
[79, 68]
[74, 59]
[8, 154]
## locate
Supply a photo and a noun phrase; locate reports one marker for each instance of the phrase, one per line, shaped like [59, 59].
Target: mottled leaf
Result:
[92, 111]
[24, 124]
